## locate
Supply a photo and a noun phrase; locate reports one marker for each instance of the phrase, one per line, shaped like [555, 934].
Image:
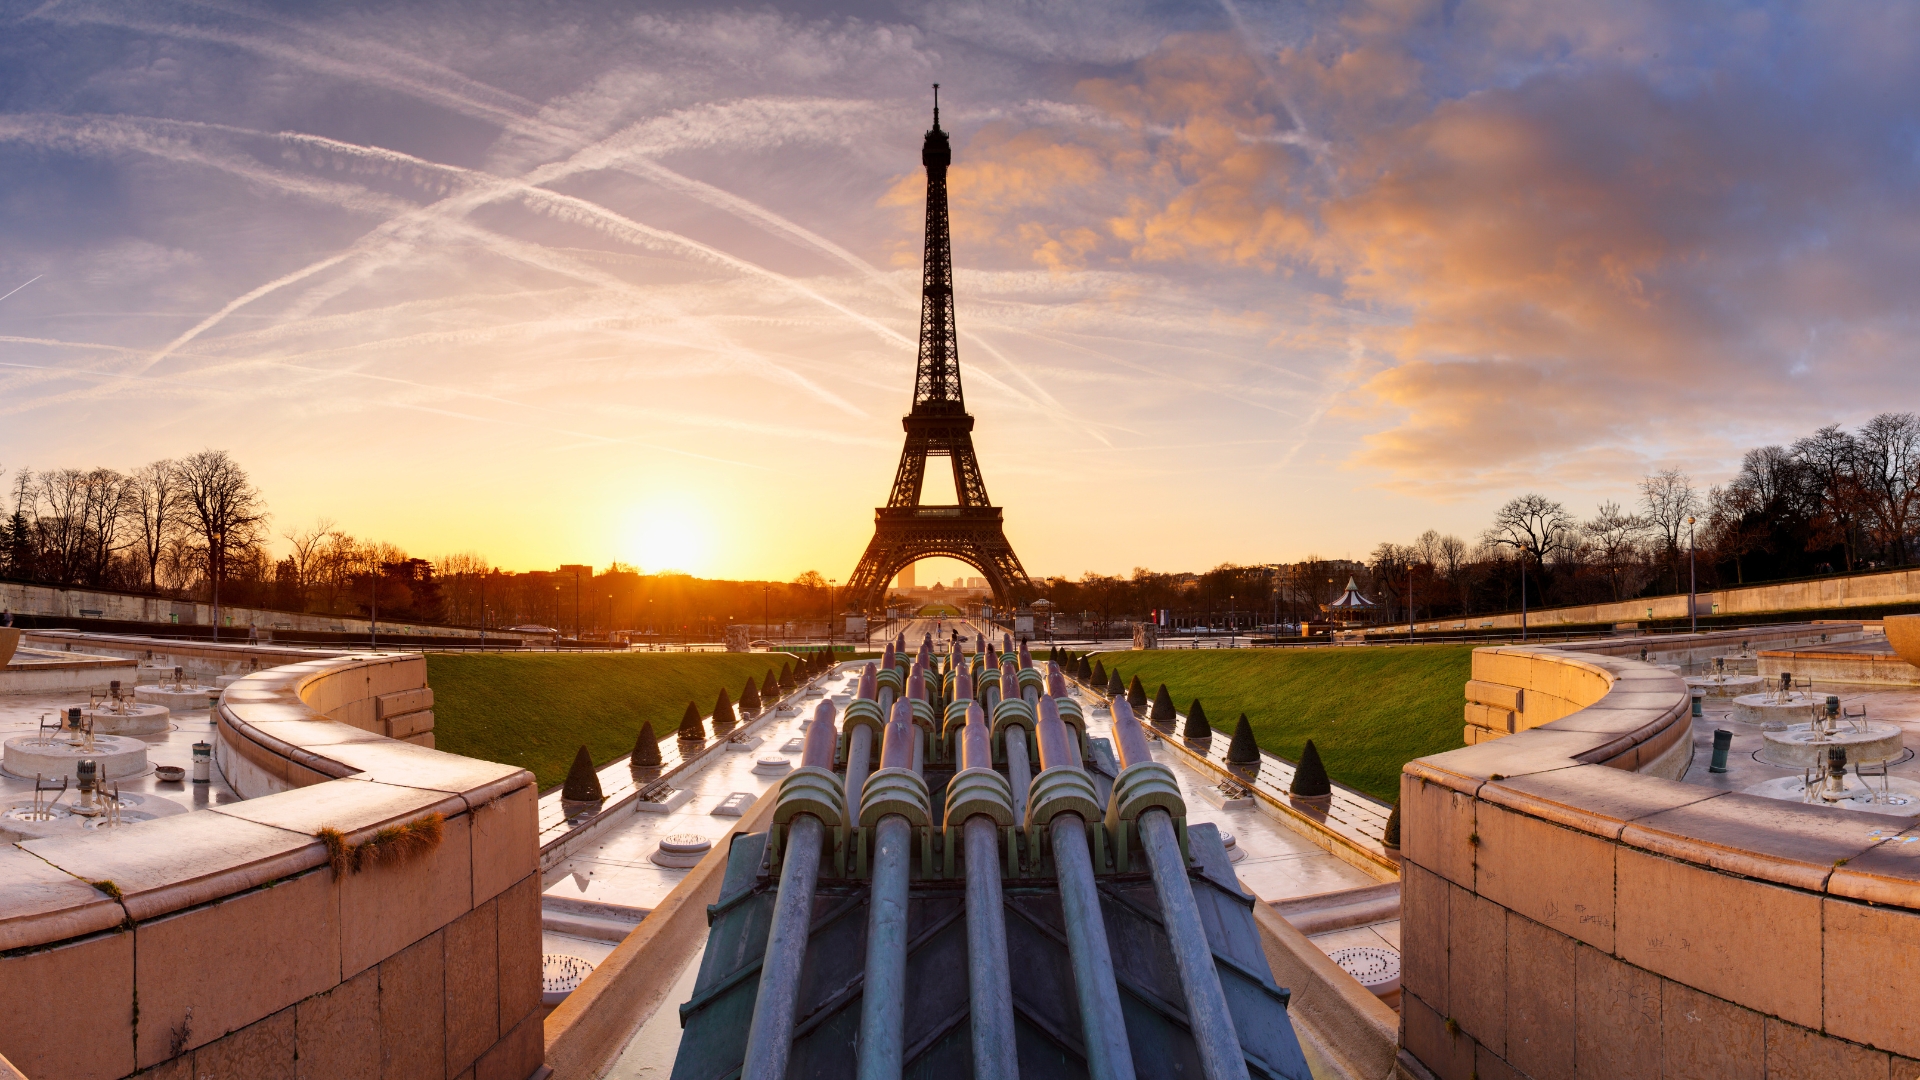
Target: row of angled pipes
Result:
[893, 800]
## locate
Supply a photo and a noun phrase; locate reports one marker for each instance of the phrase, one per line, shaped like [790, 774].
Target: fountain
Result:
[1824, 748]
[1778, 708]
[118, 714]
[58, 749]
[176, 692]
[1723, 683]
[1743, 662]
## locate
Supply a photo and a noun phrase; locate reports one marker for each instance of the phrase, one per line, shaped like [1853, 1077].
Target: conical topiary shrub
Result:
[1099, 675]
[583, 784]
[1391, 838]
[769, 688]
[1083, 671]
[1137, 695]
[750, 699]
[722, 713]
[1163, 707]
[1310, 776]
[786, 676]
[1197, 722]
[691, 729]
[1115, 687]
[1243, 750]
[646, 748]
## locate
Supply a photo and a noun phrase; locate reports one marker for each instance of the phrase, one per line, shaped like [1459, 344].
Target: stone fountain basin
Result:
[132, 719]
[189, 696]
[1732, 686]
[1800, 747]
[117, 756]
[1764, 710]
[1901, 800]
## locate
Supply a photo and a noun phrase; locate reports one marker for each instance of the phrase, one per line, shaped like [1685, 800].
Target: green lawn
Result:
[537, 710]
[1370, 709]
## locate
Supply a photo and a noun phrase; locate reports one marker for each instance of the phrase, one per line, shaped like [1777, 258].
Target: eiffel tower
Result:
[905, 530]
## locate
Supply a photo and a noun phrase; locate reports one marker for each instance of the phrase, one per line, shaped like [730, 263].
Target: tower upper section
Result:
[936, 384]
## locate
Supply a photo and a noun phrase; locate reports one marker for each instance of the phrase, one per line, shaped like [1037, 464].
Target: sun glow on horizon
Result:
[662, 537]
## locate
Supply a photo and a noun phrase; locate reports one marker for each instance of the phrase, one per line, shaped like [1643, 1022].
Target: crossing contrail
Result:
[24, 284]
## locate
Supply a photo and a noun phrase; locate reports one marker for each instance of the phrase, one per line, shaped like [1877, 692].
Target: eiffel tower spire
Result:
[937, 425]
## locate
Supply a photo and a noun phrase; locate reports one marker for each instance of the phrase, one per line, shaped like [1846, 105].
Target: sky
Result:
[1247, 282]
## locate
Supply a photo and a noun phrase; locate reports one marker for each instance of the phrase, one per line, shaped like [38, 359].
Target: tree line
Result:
[1834, 501]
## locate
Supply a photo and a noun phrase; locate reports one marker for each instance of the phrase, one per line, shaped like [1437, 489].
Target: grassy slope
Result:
[1369, 710]
[537, 710]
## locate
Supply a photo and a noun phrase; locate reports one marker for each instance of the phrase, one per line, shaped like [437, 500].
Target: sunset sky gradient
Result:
[576, 282]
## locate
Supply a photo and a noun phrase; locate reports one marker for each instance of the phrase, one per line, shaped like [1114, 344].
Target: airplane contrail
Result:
[24, 284]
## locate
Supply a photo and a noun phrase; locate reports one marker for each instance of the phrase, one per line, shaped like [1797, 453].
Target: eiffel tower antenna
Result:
[937, 425]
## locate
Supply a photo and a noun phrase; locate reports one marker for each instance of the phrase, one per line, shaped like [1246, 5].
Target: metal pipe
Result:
[1207, 1014]
[1019, 773]
[859, 762]
[883, 994]
[989, 984]
[1102, 1026]
[1057, 687]
[770, 1037]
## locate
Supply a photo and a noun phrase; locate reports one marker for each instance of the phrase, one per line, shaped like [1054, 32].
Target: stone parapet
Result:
[1569, 908]
[226, 942]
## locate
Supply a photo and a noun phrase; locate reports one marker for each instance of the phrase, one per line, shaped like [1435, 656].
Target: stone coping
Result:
[175, 863]
[1565, 904]
[1583, 772]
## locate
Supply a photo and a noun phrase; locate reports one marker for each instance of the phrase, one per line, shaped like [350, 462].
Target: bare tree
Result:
[154, 509]
[223, 508]
[1534, 525]
[59, 507]
[1729, 534]
[308, 548]
[1831, 456]
[1889, 465]
[1615, 537]
[1667, 500]
[107, 500]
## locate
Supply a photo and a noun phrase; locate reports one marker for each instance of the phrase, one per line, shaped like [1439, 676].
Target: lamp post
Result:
[1409, 603]
[483, 611]
[217, 542]
[1233, 624]
[1693, 611]
[373, 603]
[766, 611]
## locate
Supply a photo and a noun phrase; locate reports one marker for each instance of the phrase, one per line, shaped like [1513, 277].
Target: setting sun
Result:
[658, 537]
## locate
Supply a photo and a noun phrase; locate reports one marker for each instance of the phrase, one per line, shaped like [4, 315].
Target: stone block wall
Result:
[1566, 912]
[225, 943]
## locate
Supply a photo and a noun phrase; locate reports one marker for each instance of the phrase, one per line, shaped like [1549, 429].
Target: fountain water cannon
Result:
[202, 763]
[1836, 786]
[1722, 742]
[810, 802]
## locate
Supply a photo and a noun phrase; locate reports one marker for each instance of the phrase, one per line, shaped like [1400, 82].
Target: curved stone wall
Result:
[1569, 910]
[223, 942]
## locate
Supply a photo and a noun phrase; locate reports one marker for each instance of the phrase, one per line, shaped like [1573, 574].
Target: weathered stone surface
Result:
[1540, 1000]
[1616, 1020]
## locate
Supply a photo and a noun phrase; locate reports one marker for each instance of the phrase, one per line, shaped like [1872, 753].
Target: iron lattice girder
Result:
[932, 436]
[972, 535]
[938, 424]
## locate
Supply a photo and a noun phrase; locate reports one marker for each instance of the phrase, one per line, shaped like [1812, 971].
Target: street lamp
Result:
[1693, 612]
[217, 542]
